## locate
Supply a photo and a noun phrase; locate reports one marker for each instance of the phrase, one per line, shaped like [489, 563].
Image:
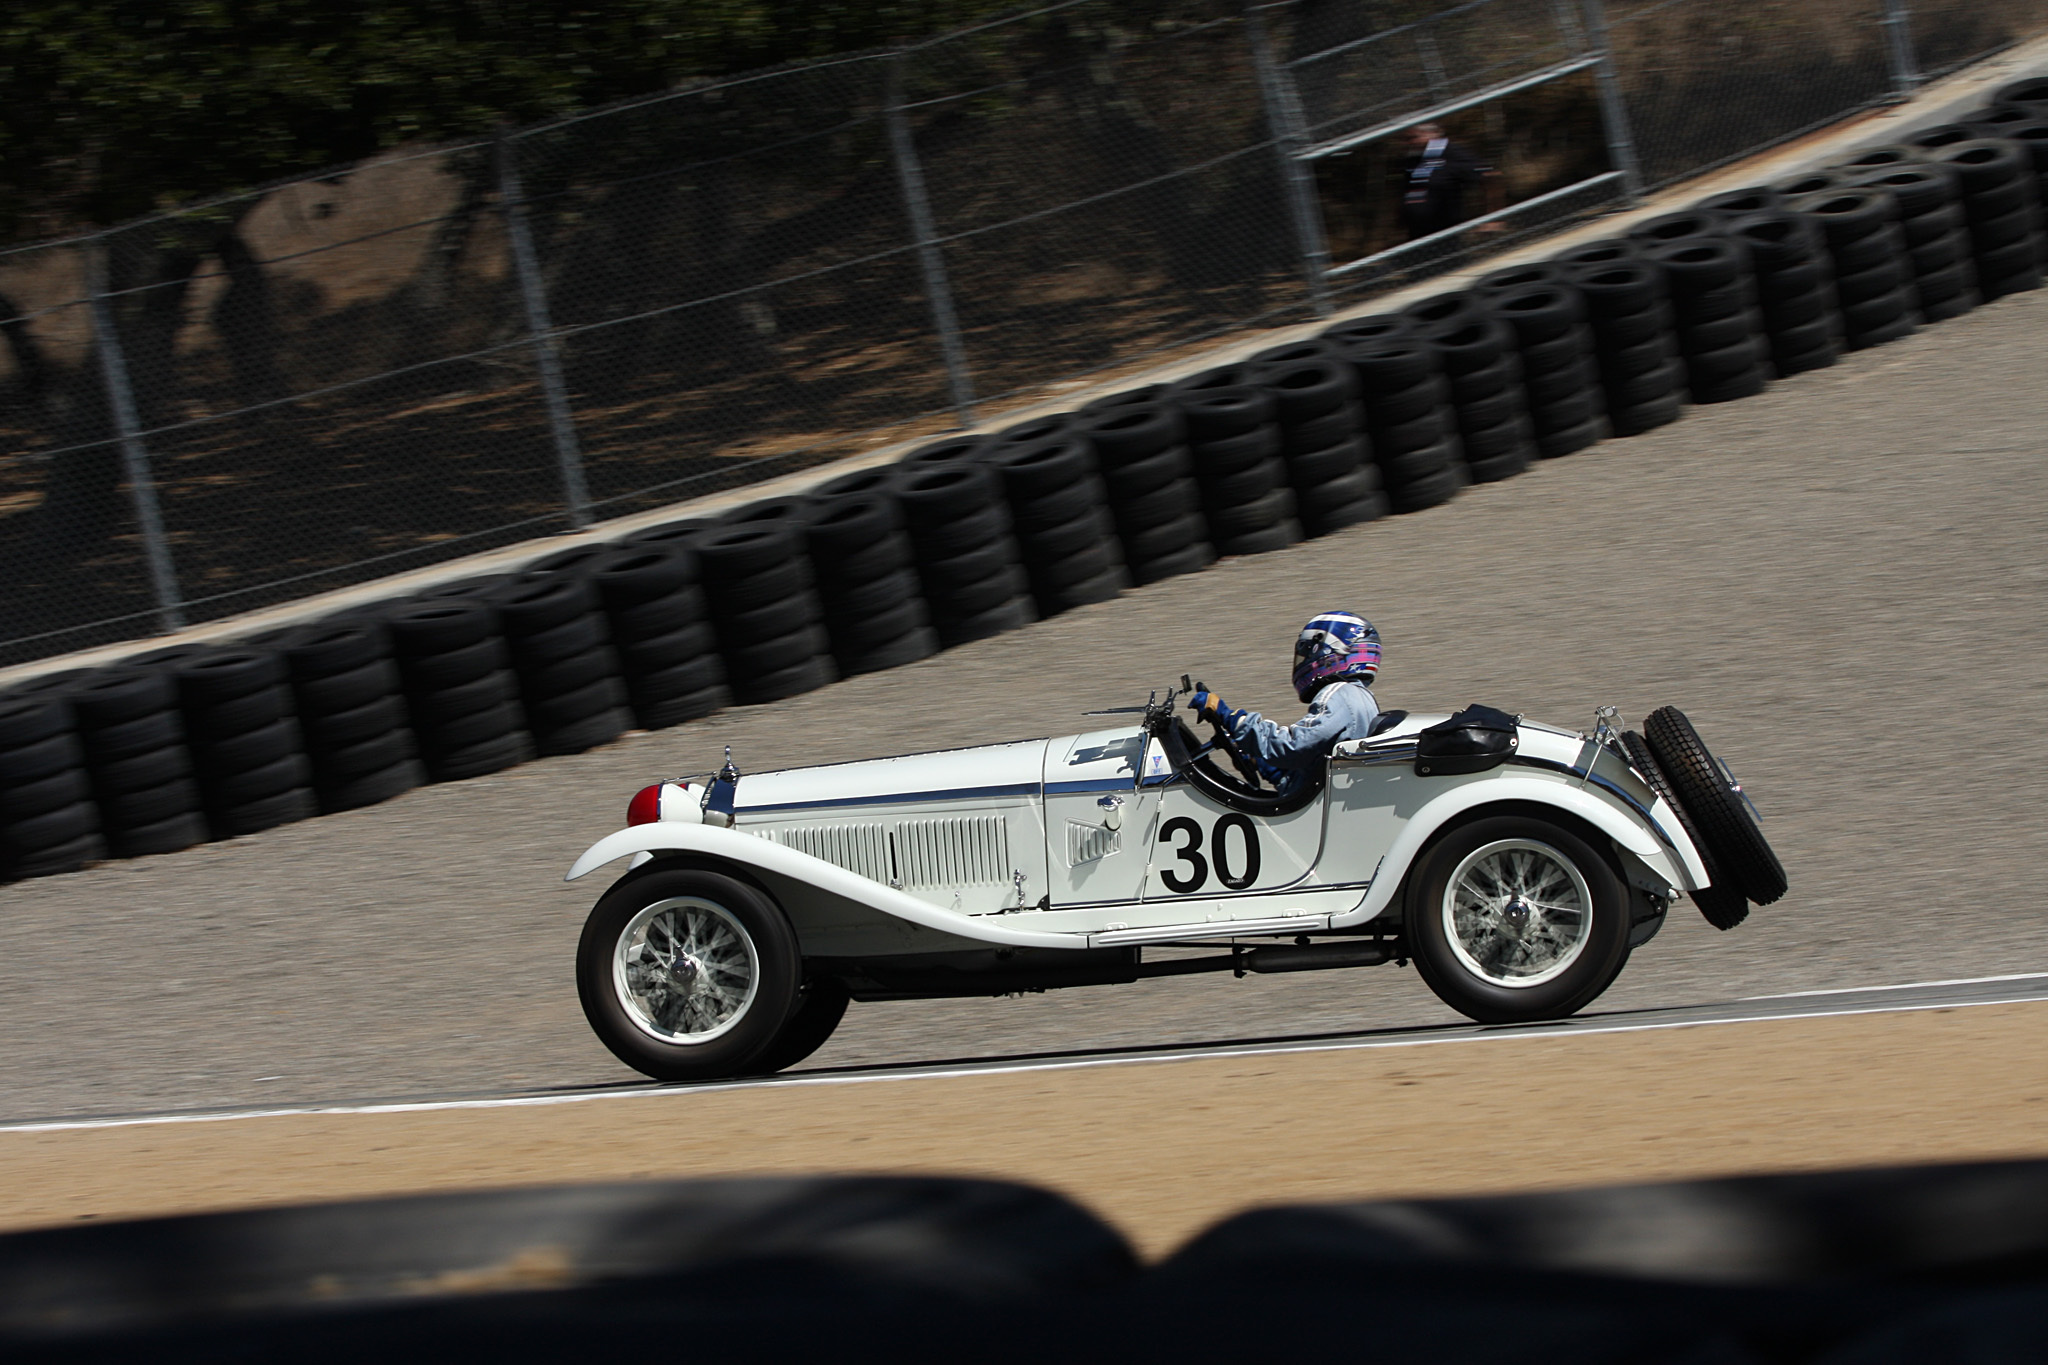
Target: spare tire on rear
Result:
[1714, 806]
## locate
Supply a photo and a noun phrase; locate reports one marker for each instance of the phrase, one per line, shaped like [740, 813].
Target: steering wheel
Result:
[1239, 759]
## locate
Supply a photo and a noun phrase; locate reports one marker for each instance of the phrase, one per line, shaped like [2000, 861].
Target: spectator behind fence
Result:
[1431, 179]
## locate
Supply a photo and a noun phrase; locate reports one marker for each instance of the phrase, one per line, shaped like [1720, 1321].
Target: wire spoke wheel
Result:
[1517, 912]
[685, 970]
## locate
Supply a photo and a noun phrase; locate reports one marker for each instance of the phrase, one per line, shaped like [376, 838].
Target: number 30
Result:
[1190, 853]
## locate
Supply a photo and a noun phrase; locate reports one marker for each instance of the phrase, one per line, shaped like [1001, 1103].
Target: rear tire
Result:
[687, 975]
[1512, 919]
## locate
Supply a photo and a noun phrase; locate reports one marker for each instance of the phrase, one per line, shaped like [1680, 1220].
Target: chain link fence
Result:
[351, 375]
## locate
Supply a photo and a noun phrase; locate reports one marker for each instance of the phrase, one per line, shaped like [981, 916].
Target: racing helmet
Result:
[1337, 646]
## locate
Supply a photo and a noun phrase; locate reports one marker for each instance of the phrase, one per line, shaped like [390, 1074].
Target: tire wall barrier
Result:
[977, 535]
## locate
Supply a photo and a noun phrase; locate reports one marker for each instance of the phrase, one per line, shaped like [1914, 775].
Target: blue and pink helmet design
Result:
[1335, 647]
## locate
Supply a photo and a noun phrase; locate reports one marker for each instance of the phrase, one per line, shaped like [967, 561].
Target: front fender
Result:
[750, 850]
[1625, 827]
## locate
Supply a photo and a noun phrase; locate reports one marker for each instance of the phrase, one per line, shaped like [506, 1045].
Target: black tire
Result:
[1541, 312]
[1320, 466]
[1327, 430]
[1717, 809]
[1726, 389]
[759, 950]
[165, 836]
[1403, 406]
[1227, 454]
[1954, 306]
[1230, 489]
[921, 643]
[1495, 468]
[1861, 254]
[1311, 388]
[1173, 563]
[1393, 366]
[1459, 976]
[1988, 234]
[1134, 431]
[130, 737]
[264, 812]
[1323, 518]
[1265, 540]
[1868, 315]
[361, 686]
[1568, 440]
[1873, 281]
[486, 756]
[60, 752]
[579, 736]
[150, 769]
[1637, 418]
[1214, 414]
[1795, 310]
[436, 626]
[819, 1008]
[1430, 491]
[369, 789]
[1503, 438]
[1420, 434]
[1790, 363]
[758, 689]
[1712, 336]
[1721, 905]
[32, 720]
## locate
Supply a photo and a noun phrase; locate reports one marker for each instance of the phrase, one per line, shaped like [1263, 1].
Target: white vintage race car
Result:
[1515, 864]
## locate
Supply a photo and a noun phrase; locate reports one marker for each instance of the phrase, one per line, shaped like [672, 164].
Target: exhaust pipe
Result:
[1314, 957]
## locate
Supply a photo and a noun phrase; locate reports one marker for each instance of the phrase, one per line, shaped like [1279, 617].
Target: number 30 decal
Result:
[1190, 853]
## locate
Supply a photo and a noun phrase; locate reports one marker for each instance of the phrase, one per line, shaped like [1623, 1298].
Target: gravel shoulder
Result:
[1841, 581]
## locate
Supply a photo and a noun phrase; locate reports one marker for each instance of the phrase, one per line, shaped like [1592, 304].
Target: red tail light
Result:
[645, 807]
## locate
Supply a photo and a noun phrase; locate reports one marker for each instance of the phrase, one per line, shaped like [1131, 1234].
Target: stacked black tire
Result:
[765, 610]
[351, 712]
[1233, 437]
[1795, 284]
[1936, 236]
[1411, 429]
[48, 822]
[1482, 369]
[1714, 315]
[241, 724]
[965, 551]
[1635, 343]
[136, 757]
[2000, 203]
[1873, 274]
[866, 571]
[1560, 372]
[1324, 436]
[661, 630]
[559, 641]
[1059, 510]
[1149, 474]
[460, 690]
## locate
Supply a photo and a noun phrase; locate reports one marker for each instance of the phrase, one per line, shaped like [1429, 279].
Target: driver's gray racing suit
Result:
[1289, 753]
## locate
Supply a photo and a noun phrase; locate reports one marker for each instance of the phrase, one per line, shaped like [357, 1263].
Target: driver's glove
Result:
[1209, 706]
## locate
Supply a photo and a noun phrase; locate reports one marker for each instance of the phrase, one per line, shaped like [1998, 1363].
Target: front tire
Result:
[687, 975]
[1512, 919]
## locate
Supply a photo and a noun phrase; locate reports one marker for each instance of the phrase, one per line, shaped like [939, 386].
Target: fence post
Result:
[910, 175]
[1898, 32]
[1290, 139]
[1621, 144]
[546, 353]
[156, 547]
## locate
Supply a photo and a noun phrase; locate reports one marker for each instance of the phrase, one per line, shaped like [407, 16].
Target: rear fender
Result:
[1662, 847]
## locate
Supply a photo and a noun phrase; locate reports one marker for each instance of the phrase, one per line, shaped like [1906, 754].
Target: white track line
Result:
[961, 1072]
[1904, 986]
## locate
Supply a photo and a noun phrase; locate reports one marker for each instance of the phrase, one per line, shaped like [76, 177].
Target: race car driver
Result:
[1336, 658]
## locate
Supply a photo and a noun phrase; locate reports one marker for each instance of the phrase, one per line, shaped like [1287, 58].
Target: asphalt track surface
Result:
[1841, 581]
[1901, 998]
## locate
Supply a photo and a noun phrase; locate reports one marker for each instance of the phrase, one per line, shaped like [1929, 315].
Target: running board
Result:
[1211, 929]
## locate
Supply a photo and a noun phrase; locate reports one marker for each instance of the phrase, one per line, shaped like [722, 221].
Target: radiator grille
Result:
[863, 849]
[1086, 842]
[960, 850]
